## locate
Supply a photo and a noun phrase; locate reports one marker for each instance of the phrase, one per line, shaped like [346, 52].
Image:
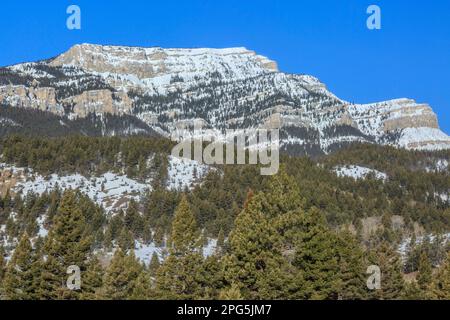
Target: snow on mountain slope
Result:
[184, 173]
[233, 88]
[144, 252]
[110, 190]
[358, 172]
[424, 139]
[403, 247]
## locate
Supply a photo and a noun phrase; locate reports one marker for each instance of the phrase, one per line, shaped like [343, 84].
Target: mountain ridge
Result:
[231, 88]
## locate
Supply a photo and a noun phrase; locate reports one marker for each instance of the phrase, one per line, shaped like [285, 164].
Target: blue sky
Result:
[408, 57]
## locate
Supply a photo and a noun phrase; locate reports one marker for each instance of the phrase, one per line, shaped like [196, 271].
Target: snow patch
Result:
[358, 172]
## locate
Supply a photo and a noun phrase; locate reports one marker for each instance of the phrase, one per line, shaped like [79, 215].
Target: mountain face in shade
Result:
[162, 90]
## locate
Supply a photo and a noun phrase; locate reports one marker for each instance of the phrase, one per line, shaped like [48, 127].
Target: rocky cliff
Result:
[224, 88]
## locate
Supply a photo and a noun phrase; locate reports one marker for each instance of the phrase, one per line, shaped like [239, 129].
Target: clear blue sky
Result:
[408, 57]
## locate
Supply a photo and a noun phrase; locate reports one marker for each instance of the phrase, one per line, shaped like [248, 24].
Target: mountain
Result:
[116, 90]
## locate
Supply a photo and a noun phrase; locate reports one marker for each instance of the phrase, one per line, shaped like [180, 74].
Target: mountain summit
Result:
[160, 90]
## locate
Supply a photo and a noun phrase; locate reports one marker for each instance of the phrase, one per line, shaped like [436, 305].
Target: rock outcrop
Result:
[230, 88]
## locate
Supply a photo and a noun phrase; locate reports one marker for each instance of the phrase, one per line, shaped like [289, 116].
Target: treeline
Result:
[36, 123]
[278, 248]
[86, 155]
[413, 191]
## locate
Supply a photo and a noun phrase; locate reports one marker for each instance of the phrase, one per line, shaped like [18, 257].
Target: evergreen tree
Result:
[316, 257]
[390, 264]
[440, 288]
[92, 280]
[66, 245]
[126, 240]
[220, 240]
[255, 261]
[185, 237]
[231, 293]
[154, 264]
[19, 281]
[178, 276]
[142, 288]
[121, 276]
[351, 267]
[425, 272]
[2, 263]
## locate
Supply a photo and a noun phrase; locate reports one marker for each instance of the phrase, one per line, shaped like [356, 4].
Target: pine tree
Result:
[231, 293]
[440, 288]
[316, 257]
[126, 240]
[121, 276]
[2, 263]
[425, 272]
[66, 245]
[390, 264]
[154, 264]
[133, 221]
[185, 237]
[178, 276]
[142, 287]
[412, 255]
[92, 280]
[220, 240]
[351, 267]
[19, 281]
[255, 262]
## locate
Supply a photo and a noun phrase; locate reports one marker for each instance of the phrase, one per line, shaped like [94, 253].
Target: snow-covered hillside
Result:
[358, 172]
[110, 190]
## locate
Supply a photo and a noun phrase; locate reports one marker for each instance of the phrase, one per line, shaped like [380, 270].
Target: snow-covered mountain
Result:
[164, 90]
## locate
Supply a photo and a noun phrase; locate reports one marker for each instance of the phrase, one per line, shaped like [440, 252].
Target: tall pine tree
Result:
[440, 288]
[66, 245]
[179, 275]
[121, 277]
[21, 273]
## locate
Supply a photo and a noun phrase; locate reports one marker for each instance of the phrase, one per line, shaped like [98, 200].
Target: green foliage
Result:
[123, 278]
[440, 288]
[66, 245]
[425, 272]
[179, 275]
[280, 240]
[21, 273]
[392, 282]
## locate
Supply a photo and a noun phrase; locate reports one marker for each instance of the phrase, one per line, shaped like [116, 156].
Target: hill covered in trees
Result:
[305, 233]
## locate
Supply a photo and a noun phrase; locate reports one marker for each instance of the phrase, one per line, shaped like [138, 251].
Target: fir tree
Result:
[425, 272]
[92, 280]
[19, 281]
[126, 240]
[185, 237]
[231, 293]
[66, 245]
[390, 264]
[440, 288]
[178, 276]
[220, 240]
[142, 287]
[121, 276]
[351, 267]
[316, 257]
[255, 261]
[154, 264]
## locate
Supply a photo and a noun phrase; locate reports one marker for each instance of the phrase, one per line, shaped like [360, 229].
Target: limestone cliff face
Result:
[30, 97]
[153, 62]
[99, 102]
[232, 88]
